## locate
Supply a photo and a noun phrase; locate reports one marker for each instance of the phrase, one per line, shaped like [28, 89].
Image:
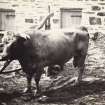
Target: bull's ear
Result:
[20, 39]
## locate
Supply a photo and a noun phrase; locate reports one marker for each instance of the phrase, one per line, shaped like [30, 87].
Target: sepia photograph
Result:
[52, 52]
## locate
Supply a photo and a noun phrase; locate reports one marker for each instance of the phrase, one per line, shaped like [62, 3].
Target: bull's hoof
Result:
[27, 91]
[43, 98]
[37, 93]
[75, 81]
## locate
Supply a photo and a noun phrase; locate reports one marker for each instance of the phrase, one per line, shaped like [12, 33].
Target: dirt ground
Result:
[61, 91]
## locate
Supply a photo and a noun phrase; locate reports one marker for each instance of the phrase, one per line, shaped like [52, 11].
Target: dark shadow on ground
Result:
[63, 95]
[69, 93]
[7, 97]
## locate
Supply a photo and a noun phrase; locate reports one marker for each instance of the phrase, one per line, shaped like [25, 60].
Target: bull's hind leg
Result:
[81, 70]
[79, 61]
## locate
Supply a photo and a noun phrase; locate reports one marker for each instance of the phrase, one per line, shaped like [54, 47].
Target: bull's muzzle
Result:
[4, 57]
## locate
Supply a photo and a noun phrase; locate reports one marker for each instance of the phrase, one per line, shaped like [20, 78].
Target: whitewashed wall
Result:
[38, 9]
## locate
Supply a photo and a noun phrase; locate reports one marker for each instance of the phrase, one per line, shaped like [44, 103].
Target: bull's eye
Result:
[14, 46]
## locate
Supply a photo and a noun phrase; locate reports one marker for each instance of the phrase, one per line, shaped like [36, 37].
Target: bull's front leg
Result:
[29, 79]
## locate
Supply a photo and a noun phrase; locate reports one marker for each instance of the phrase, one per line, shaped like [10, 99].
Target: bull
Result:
[36, 49]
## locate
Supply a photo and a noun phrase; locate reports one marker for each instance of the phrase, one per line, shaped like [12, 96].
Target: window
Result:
[94, 0]
[95, 21]
[101, 13]
[71, 17]
[102, 0]
[95, 8]
[29, 20]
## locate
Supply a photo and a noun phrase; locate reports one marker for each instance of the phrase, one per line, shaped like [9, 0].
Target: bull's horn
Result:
[23, 35]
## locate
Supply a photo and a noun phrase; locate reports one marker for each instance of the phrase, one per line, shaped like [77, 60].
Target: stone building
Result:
[7, 17]
[67, 13]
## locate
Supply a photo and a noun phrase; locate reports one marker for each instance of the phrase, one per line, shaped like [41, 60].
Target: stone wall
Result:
[31, 12]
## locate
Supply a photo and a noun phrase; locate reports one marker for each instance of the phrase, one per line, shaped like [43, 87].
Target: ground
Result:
[61, 91]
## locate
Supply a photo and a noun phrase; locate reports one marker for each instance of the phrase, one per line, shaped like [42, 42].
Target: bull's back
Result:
[54, 47]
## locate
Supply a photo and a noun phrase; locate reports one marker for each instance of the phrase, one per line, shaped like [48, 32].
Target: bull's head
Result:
[15, 48]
